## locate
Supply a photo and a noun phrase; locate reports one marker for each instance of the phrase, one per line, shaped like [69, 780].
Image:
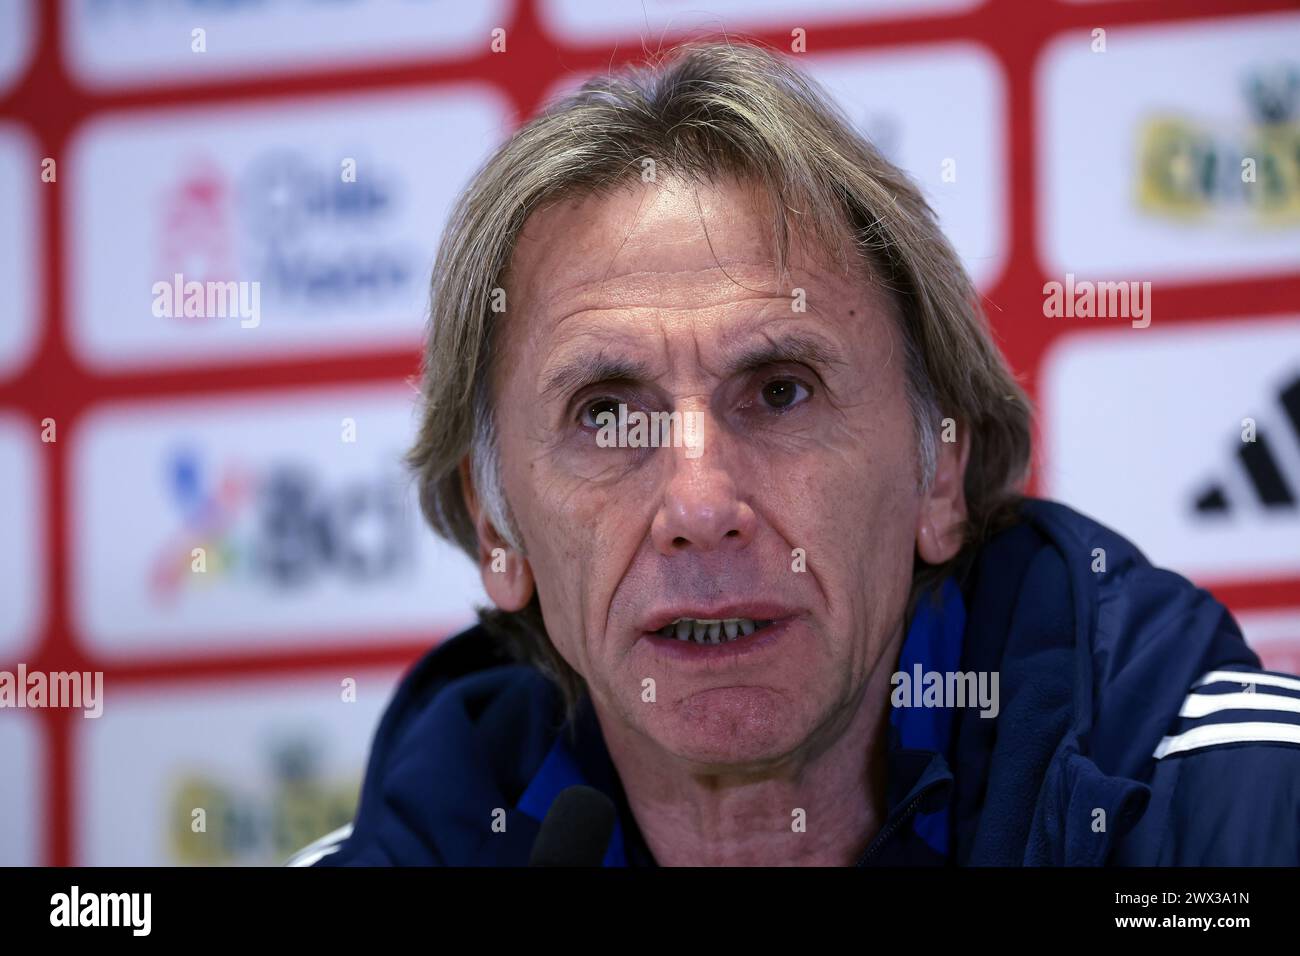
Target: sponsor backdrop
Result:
[211, 510]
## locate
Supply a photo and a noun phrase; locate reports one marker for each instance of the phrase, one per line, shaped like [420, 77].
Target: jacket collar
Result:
[921, 737]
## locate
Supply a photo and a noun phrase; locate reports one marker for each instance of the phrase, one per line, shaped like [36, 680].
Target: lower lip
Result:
[741, 647]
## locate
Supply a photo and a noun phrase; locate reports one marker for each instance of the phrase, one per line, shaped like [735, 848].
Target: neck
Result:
[691, 817]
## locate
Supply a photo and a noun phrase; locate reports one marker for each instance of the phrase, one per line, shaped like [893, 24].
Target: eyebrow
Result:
[583, 370]
[797, 348]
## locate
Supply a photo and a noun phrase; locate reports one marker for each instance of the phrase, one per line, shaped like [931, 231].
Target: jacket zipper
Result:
[883, 836]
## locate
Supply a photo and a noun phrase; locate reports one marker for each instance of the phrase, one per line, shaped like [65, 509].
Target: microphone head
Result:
[576, 830]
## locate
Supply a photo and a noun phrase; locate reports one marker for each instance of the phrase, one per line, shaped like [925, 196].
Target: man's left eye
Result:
[783, 393]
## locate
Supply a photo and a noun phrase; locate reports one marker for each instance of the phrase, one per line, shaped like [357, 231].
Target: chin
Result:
[729, 726]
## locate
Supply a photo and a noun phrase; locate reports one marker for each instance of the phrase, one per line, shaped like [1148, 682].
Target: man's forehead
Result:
[657, 247]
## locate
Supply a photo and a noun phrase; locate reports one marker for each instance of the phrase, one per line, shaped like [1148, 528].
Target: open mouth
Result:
[717, 631]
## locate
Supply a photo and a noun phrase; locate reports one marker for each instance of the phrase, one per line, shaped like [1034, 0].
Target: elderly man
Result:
[805, 617]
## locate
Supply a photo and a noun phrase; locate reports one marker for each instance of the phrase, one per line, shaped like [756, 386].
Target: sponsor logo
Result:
[657, 19]
[113, 43]
[242, 772]
[211, 524]
[280, 526]
[242, 825]
[1173, 153]
[314, 240]
[1196, 170]
[332, 206]
[1183, 439]
[1263, 465]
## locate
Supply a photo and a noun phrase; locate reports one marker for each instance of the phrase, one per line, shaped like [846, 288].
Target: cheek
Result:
[559, 572]
[866, 477]
[858, 505]
[574, 549]
[887, 503]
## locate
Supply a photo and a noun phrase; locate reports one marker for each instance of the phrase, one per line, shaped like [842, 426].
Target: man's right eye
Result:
[590, 412]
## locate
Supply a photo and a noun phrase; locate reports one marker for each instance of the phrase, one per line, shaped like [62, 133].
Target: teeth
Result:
[711, 631]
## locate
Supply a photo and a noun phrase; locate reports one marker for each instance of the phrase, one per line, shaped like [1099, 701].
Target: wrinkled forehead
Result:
[674, 244]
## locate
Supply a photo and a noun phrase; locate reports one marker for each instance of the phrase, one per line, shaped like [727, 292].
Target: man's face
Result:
[800, 508]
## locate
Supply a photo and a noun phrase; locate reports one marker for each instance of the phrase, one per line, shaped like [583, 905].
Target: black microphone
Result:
[576, 830]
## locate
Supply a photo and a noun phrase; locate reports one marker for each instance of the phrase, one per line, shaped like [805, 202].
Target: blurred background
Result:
[315, 146]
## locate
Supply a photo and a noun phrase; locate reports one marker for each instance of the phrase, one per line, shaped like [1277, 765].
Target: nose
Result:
[701, 508]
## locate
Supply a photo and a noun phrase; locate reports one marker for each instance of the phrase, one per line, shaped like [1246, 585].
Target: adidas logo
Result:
[1267, 471]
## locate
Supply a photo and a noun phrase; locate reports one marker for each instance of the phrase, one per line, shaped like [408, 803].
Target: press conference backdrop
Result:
[211, 511]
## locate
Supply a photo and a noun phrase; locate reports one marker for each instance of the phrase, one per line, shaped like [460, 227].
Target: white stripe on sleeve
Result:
[1212, 735]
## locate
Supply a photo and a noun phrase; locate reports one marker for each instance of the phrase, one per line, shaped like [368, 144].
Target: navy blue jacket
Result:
[1134, 728]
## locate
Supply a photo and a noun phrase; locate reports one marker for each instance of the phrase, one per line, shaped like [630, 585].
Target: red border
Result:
[51, 106]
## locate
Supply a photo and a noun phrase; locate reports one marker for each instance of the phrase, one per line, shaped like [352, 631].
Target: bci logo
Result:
[283, 527]
[358, 530]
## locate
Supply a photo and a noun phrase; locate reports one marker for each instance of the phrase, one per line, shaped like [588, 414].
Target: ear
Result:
[941, 523]
[507, 577]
